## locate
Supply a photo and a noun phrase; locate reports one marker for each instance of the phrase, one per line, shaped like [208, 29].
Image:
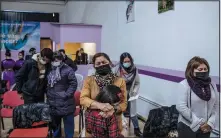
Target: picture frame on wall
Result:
[165, 5]
[130, 12]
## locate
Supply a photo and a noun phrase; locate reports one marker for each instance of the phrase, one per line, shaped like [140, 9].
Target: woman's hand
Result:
[205, 128]
[105, 107]
[107, 114]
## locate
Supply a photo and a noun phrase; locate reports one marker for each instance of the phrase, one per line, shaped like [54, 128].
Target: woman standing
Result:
[81, 57]
[62, 84]
[93, 84]
[20, 61]
[127, 70]
[8, 68]
[197, 102]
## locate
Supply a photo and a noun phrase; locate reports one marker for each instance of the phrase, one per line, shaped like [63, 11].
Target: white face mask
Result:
[56, 63]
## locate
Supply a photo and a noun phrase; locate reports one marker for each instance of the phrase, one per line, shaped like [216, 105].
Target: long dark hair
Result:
[8, 53]
[109, 94]
[22, 52]
[126, 55]
[47, 52]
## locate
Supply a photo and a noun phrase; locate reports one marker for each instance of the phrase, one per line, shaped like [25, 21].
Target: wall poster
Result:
[165, 5]
[130, 12]
[17, 36]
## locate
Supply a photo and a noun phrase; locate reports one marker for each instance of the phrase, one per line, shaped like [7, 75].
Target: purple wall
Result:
[82, 34]
[56, 33]
[61, 33]
[46, 29]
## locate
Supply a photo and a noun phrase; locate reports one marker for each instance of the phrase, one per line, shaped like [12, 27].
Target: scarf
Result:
[128, 74]
[104, 81]
[201, 88]
[55, 75]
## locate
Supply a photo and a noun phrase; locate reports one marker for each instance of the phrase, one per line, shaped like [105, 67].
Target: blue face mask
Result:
[56, 64]
[126, 65]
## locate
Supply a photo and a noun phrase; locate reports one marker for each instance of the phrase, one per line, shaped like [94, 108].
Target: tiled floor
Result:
[126, 133]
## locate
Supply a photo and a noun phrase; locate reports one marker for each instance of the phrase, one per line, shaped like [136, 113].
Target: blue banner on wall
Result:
[20, 35]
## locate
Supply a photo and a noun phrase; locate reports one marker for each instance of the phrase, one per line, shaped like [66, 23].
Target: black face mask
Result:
[202, 75]
[103, 70]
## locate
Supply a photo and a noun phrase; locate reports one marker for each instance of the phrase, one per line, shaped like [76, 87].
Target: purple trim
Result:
[161, 76]
[77, 24]
[167, 77]
[167, 74]
[171, 72]
[162, 70]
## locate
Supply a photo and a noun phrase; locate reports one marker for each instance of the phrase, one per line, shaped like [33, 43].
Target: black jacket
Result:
[27, 57]
[60, 97]
[70, 63]
[27, 79]
[82, 60]
[25, 115]
[160, 122]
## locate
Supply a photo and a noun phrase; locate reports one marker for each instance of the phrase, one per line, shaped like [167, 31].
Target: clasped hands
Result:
[205, 128]
[107, 110]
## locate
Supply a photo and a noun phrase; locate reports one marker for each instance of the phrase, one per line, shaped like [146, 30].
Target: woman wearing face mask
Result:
[20, 61]
[127, 70]
[197, 102]
[62, 84]
[93, 84]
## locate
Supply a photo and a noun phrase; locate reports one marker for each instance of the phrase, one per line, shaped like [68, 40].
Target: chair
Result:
[79, 110]
[29, 133]
[80, 79]
[42, 129]
[127, 115]
[13, 87]
[11, 99]
[8, 85]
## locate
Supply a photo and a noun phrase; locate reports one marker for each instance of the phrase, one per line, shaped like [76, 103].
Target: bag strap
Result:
[212, 87]
[190, 98]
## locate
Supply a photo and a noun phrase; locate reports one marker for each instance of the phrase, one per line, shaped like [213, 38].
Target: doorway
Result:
[46, 43]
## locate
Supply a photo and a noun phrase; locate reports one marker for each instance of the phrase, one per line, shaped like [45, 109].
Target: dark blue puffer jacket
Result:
[60, 97]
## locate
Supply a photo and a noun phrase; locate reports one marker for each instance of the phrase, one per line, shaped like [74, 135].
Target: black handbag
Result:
[161, 121]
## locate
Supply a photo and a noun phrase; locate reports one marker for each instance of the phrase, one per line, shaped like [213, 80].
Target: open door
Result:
[46, 43]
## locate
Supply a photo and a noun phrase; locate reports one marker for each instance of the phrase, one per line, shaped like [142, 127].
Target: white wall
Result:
[89, 48]
[175, 36]
[166, 40]
[36, 6]
[74, 11]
